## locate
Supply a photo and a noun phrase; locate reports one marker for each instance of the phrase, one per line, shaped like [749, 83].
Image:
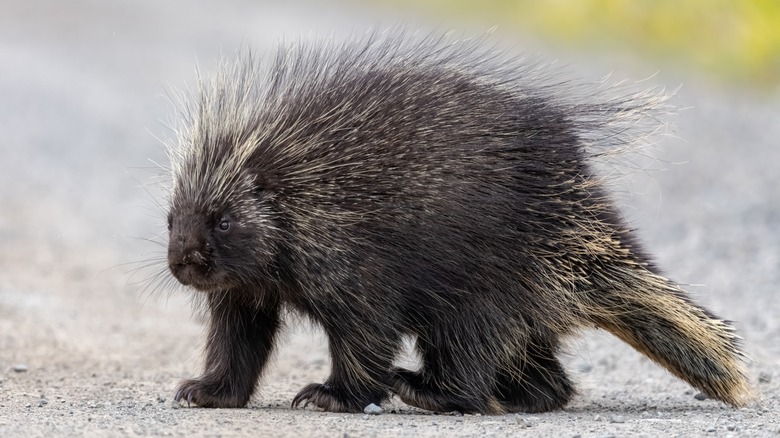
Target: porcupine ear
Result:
[260, 182]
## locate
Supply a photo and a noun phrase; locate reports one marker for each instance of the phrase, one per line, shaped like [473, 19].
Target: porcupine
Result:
[396, 186]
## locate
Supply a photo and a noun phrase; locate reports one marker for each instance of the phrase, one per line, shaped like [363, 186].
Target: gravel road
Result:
[87, 348]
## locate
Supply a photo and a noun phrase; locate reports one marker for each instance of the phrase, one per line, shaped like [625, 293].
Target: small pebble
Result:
[617, 419]
[372, 409]
[700, 396]
[20, 368]
[731, 427]
[365, 417]
[42, 402]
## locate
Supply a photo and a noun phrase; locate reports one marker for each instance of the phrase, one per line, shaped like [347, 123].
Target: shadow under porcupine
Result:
[392, 186]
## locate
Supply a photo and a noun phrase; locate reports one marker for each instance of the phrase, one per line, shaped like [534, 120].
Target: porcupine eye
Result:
[224, 224]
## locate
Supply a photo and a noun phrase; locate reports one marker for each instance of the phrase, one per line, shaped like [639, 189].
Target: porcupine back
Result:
[430, 187]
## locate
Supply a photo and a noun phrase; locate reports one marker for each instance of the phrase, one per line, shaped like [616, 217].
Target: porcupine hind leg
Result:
[457, 374]
[240, 340]
[535, 381]
[360, 359]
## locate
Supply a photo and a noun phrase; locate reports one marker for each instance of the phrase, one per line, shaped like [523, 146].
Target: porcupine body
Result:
[394, 186]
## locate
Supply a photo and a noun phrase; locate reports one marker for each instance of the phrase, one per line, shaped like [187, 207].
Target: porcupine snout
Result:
[188, 250]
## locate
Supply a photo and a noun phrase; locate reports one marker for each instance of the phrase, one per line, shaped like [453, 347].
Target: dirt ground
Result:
[88, 347]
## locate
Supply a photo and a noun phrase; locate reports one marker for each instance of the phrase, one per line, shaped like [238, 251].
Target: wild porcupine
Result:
[397, 186]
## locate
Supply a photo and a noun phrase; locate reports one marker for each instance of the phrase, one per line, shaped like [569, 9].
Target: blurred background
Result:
[729, 41]
[84, 304]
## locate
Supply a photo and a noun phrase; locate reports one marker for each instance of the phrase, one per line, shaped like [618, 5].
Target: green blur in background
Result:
[733, 41]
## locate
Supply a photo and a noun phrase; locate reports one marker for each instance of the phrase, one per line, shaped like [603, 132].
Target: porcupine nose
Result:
[187, 259]
[193, 256]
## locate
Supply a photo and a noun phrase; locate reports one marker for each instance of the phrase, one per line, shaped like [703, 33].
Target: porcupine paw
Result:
[207, 394]
[537, 396]
[328, 398]
[409, 387]
[538, 391]
[413, 390]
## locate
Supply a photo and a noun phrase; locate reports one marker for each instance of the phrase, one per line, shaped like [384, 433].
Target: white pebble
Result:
[372, 409]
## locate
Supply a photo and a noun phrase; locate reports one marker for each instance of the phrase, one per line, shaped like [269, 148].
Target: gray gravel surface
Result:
[87, 348]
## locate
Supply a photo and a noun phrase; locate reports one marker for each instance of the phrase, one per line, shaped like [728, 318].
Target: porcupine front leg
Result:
[361, 358]
[240, 340]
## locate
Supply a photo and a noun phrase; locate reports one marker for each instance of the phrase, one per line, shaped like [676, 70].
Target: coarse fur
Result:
[398, 185]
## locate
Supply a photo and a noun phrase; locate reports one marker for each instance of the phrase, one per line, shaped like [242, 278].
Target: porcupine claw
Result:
[303, 396]
[180, 394]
